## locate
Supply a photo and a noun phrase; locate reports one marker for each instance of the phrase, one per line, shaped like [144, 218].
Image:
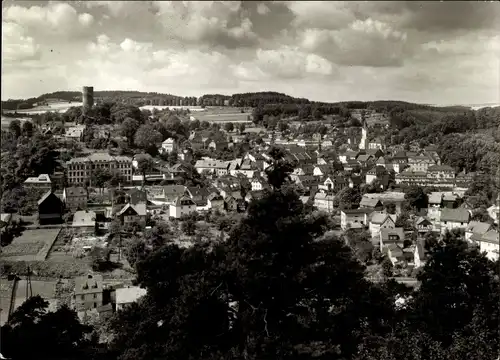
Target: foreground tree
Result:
[34, 333]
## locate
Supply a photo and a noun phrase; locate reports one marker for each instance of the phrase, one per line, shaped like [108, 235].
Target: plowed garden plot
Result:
[32, 245]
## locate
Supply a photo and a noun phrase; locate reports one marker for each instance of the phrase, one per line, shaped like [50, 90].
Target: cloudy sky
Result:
[429, 52]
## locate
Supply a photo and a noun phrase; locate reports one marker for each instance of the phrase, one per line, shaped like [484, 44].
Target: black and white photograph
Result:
[250, 180]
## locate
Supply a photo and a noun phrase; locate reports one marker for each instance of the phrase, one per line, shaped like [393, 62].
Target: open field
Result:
[53, 107]
[223, 117]
[32, 245]
[161, 107]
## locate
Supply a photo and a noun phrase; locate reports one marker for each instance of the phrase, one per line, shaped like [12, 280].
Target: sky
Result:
[425, 52]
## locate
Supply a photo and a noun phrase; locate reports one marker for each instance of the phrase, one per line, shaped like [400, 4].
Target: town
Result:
[250, 225]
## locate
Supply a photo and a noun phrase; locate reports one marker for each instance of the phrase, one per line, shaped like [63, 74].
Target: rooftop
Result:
[129, 294]
[89, 284]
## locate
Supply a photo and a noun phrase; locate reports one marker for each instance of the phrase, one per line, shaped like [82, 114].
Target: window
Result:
[95, 305]
[83, 297]
[95, 296]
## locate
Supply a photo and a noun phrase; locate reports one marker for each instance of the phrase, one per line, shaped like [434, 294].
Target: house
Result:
[454, 219]
[258, 184]
[128, 295]
[322, 170]
[389, 197]
[137, 196]
[133, 214]
[40, 182]
[168, 146]
[230, 203]
[391, 236]
[423, 225]
[171, 192]
[334, 184]
[304, 170]
[183, 205]
[75, 198]
[324, 202]
[50, 209]
[377, 143]
[215, 201]
[254, 195]
[476, 228]
[399, 161]
[84, 222]
[244, 167]
[395, 253]
[371, 203]
[450, 200]
[75, 132]
[489, 243]
[198, 194]
[211, 166]
[420, 254]
[217, 145]
[354, 219]
[435, 200]
[88, 292]
[381, 221]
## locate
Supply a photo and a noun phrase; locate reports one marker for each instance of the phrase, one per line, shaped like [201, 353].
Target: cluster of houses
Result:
[446, 211]
[319, 171]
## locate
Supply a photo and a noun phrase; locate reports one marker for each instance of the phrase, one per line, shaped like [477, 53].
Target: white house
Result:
[489, 243]
[454, 219]
[381, 221]
[258, 184]
[183, 205]
[127, 296]
[324, 202]
[168, 146]
[354, 219]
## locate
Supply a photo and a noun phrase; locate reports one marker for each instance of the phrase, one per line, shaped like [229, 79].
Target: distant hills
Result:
[255, 99]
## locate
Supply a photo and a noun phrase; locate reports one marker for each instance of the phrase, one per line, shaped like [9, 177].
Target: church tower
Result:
[363, 144]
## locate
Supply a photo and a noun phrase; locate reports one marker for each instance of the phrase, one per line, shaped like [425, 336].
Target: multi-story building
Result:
[80, 169]
[88, 292]
[75, 198]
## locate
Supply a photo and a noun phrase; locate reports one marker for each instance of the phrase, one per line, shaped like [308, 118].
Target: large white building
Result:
[80, 169]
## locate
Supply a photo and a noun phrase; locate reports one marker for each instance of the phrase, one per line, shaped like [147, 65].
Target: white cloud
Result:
[262, 9]
[16, 46]
[85, 19]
